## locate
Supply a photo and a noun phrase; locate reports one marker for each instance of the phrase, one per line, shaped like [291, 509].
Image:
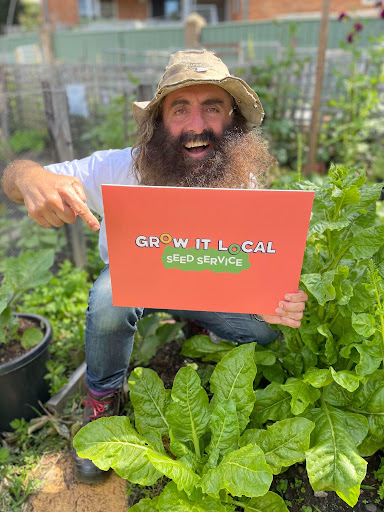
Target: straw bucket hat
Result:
[191, 67]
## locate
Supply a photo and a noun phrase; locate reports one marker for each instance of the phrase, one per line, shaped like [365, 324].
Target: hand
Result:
[290, 310]
[52, 199]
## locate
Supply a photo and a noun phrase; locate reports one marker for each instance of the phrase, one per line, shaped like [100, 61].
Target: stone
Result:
[321, 494]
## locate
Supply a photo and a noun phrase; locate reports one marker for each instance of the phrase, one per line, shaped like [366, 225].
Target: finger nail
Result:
[279, 311]
[281, 305]
[287, 297]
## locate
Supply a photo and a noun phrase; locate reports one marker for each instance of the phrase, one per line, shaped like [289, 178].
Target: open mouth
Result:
[197, 149]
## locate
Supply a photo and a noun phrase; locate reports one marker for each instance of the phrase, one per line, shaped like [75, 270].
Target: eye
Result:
[180, 112]
[212, 110]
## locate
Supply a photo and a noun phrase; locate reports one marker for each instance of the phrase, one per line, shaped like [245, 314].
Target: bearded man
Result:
[196, 132]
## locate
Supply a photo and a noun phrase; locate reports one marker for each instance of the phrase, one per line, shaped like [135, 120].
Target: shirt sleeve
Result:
[113, 166]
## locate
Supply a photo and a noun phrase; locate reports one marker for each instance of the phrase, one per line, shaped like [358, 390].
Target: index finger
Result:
[82, 210]
[300, 296]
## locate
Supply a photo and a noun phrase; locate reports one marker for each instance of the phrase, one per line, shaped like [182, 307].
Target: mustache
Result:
[205, 136]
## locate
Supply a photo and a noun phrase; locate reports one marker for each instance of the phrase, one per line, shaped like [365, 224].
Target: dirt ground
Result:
[61, 492]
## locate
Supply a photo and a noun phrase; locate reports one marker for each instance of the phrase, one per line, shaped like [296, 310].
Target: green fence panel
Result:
[9, 43]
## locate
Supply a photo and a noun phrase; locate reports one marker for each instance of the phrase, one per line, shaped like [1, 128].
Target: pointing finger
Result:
[82, 210]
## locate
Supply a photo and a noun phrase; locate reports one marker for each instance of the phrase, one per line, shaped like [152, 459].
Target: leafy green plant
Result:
[354, 134]
[114, 129]
[321, 388]
[152, 332]
[63, 300]
[29, 270]
[213, 465]
[26, 140]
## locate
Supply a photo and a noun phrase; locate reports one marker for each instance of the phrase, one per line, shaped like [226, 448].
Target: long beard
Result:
[235, 160]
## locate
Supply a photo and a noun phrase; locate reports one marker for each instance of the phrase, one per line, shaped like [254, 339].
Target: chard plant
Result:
[199, 444]
[21, 274]
[317, 395]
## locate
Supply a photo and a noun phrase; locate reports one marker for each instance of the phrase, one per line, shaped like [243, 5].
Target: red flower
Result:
[358, 27]
[350, 37]
[382, 14]
[343, 15]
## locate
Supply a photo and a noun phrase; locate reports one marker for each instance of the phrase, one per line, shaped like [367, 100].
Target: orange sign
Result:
[236, 251]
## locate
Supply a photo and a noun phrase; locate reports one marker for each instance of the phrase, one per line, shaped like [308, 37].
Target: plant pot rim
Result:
[32, 354]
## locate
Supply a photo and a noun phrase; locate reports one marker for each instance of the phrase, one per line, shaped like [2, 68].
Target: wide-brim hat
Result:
[191, 67]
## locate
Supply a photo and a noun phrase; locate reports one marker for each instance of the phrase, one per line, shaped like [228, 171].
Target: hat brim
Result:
[246, 99]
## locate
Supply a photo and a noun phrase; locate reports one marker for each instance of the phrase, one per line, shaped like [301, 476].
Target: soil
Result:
[13, 349]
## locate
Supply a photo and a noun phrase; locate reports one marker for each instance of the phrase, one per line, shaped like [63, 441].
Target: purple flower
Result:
[378, 4]
[358, 27]
[343, 15]
[382, 14]
[350, 37]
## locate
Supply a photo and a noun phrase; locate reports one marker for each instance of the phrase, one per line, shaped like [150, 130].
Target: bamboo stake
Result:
[314, 128]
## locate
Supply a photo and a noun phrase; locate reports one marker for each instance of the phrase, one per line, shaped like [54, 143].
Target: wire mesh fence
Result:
[99, 98]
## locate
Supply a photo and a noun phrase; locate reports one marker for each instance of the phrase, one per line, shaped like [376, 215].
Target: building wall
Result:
[63, 12]
[132, 9]
[259, 10]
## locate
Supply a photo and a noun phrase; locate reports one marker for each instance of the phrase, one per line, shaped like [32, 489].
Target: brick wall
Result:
[63, 12]
[273, 8]
[132, 9]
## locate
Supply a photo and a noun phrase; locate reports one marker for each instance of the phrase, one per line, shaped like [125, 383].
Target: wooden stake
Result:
[313, 134]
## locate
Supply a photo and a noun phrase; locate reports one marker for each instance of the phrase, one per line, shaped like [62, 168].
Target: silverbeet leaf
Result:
[173, 500]
[114, 443]
[270, 502]
[272, 403]
[233, 379]
[284, 443]
[149, 400]
[185, 479]
[241, 472]
[333, 463]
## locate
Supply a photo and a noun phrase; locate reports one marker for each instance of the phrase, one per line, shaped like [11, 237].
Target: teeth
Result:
[189, 145]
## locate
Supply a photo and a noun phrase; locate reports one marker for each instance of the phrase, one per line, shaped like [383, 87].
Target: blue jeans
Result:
[110, 332]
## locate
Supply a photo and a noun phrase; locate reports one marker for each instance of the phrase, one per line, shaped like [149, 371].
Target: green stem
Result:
[237, 503]
[299, 155]
[380, 308]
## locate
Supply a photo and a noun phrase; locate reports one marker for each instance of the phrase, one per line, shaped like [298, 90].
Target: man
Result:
[196, 131]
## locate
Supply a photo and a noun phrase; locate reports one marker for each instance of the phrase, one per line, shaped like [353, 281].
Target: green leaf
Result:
[318, 378]
[168, 331]
[113, 443]
[224, 426]
[29, 270]
[182, 475]
[346, 379]
[322, 225]
[270, 502]
[265, 357]
[337, 395]
[330, 345]
[241, 472]
[333, 463]
[148, 325]
[145, 505]
[5, 296]
[284, 443]
[369, 401]
[149, 400]
[31, 337]
[188, 414]
[172, 500]
[367, 242]
[201, 346]
[320, 286]
[272, 403]
[364, 324]
[233, 379]
[302, 394]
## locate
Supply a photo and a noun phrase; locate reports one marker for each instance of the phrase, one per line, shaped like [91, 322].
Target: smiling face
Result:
[191, 113]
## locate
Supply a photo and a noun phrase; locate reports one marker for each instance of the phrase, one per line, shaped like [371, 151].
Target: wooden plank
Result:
[76, 384]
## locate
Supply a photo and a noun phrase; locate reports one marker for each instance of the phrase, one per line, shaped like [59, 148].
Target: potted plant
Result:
[24, 338]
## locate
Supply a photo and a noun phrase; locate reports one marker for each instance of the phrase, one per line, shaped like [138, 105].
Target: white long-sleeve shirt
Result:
[113, 166]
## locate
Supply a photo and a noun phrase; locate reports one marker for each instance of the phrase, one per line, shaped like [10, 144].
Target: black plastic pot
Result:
[22, 382]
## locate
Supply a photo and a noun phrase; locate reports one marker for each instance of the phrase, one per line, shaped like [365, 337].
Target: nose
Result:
[195, 121]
